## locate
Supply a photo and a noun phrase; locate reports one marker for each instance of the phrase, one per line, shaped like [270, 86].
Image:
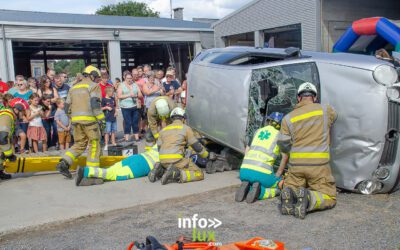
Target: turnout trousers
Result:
[84, 135]
[318, 180]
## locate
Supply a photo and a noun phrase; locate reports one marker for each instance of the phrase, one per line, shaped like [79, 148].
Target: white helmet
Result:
[162, 107]
[307, 87]
[177, 112]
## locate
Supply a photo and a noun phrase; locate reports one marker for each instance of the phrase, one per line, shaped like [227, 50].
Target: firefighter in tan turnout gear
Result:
[305, 136]
[172, 143]
[83, 104]
[159, 110]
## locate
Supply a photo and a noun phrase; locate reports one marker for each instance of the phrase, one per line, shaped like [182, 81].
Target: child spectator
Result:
[63, 125]
[108, 105]
[36, 131]
[48, 119]
[32, 84]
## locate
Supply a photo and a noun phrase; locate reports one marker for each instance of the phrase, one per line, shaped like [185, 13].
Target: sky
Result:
[192, 8]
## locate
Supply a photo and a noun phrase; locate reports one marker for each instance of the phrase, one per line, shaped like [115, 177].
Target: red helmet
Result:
[19, 103]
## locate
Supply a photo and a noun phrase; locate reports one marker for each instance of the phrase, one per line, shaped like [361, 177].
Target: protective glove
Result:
[102, 125]
[11, 157]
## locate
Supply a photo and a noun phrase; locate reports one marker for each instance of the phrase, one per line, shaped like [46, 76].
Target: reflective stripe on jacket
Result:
[173, 141]
[80, 104]
[263, 151]
[308, 127]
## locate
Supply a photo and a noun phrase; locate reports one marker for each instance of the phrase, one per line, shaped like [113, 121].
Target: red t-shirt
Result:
[3, 87]
[141, 82]
[103, 89]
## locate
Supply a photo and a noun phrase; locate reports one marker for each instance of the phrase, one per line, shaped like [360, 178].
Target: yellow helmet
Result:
[92, 70]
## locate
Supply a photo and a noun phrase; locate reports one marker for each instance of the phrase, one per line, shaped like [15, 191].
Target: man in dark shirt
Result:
[62, 88]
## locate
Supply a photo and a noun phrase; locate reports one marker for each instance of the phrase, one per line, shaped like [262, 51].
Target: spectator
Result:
[51, 74]
[23, 91]
[184, 92]
[63, 125]
[140, 82]
[159, 78]
[140, 72]
[150, 90]
[109, 105]
[14, 88]
[47, 89]
[3, 87]
[116, 83]
[48, 118]
[104, 84]
[36, 131]
[64, 78]
[10, 84]
[146, 70]
[128, 94]
[171, 87]
[32, 84]
[61, 87]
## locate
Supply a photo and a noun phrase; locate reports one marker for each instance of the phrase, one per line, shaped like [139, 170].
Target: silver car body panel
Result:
[218, 97]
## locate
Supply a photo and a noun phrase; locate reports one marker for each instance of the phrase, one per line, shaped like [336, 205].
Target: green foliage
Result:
[71, 67]
[128, 8]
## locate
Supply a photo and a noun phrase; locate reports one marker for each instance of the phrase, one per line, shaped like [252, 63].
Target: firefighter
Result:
[256, 172]
[8, 118]
[305, 136]
[134, 166]
[158, 111]
[83, 104]
[172, 142]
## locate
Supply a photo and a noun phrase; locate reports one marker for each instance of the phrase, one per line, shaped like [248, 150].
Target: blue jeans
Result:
[111, 127]
[50, 125]
[131, 120]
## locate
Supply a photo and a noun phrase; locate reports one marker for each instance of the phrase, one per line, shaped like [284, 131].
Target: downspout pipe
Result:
[3, 33]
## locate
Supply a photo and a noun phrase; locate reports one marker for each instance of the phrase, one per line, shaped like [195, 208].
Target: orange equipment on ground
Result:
[256, 243]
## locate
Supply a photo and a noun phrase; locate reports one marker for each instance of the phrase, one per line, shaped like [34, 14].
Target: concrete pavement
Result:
[41, 199]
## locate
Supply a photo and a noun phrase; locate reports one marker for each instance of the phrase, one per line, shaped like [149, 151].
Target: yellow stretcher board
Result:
[49, 163]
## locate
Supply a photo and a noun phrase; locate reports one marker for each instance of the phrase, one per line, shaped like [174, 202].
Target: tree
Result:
[128, 8]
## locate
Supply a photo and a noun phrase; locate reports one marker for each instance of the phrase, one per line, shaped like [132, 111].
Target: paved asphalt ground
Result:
[357, 222]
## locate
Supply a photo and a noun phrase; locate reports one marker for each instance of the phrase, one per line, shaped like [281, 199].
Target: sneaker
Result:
[300, 209]
[63, 168]
[172, 174]
[4, 176]
[156, 173]
[287, 201]
[242, 192]
[106, 148]
[252, 196]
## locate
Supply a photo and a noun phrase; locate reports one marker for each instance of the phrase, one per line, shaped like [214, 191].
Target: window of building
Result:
[283, 37]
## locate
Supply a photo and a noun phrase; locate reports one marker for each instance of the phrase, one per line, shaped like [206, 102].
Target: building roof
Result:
[31, 18]
[251, 3]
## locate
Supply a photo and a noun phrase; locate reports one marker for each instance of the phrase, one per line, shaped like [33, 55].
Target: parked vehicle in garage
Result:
[231, 89]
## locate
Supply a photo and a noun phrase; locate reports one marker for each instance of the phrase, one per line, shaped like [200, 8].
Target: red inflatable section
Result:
[366, 26]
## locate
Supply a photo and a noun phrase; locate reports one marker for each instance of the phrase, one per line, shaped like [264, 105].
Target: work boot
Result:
[287, 201]
[255, 191]
[242, 192]
[63, 168]
[172, 174]
[156, 173]
[211, 167]
[79, 175]
[4, 176]
[300, 209]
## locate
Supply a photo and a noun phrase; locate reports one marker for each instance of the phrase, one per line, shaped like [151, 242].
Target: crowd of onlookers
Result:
[45, 121]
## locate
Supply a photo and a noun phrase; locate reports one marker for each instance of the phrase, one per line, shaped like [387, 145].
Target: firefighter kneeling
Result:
[172, 142]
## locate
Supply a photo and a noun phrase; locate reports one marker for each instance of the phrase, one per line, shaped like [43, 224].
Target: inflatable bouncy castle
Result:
[379, 31]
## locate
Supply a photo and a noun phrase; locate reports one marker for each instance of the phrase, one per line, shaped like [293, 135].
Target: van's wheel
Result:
[210, 169]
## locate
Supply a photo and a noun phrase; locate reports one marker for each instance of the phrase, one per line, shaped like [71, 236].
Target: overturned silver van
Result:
[231, 89]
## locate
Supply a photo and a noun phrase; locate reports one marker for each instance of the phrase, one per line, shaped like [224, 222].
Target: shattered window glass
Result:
[274, 89]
